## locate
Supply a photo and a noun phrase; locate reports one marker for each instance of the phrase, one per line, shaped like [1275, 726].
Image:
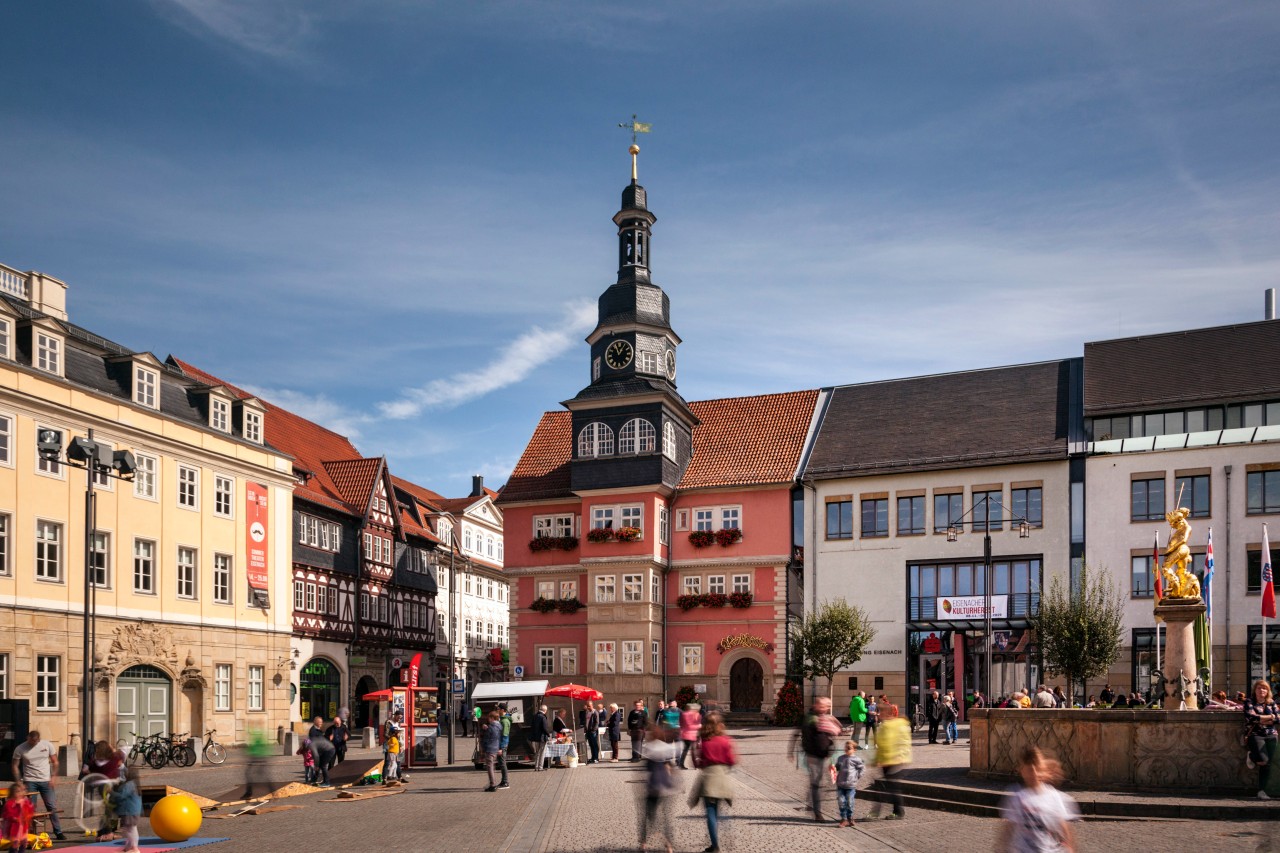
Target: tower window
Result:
[669, 440]
[596, 439]
[637, 436]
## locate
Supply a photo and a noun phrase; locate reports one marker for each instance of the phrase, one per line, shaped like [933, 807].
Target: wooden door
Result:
[746, 686]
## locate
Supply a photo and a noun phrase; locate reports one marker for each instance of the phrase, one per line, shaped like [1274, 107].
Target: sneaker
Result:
[1248, 762]
[1262, 795]
[490, 789]
[62, 836]
[893, 817]
[503, 785]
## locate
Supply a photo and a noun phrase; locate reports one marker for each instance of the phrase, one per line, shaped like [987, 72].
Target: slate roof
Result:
[952, 420]
[627, 387]
[741, 441]
[1223, 364]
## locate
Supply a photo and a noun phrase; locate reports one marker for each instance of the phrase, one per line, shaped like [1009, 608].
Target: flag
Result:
[1155, 567]
[1201, 630]
[1268, 584]
[1207, 592]
[641, 126]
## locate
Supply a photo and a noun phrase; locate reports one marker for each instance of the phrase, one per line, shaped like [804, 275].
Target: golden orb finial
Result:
[634, 149]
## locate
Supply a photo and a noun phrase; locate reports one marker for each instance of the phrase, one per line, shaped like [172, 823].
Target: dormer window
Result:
[48, 353]
[219, 414]
[669, 440]
[637, 436]
[596, 439]
[253, 426]
[6, 337]
[145, 387]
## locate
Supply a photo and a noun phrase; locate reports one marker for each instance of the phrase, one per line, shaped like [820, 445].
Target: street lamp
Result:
[953, 531]
[84, 452]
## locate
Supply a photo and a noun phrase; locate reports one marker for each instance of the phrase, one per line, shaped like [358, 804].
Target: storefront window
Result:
[320, 689]
[1273, 656]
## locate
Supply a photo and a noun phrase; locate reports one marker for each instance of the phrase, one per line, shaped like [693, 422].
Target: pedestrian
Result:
[127, 800]
[591, 728]
[504, 723]
[324, 754]
[35, 762]
[1037, 816]
[858, 712]
[392, 735]
[308, 761]
[949, 717]
[255, 769]
[670, 717]
[933, 713]
[1262, 714]
[338, 734]
[893, 754]
[15, 819]
[817, 739]
[108, 763]
[317, 729]
[538, 734]
[464, 717]
[615, 729]
[690, 722]
[637, 721]
[1106, 697]
[660, 783]
[873, 720]
[979, 701]
[714, 757]
[490, 736]
[846, 772]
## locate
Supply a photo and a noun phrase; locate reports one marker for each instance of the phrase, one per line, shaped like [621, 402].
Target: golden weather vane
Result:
[635, 127]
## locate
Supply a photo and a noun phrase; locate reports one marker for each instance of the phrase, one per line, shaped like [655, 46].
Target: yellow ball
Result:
[176, 818]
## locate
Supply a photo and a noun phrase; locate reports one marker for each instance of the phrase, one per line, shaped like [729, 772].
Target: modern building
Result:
[188, 560]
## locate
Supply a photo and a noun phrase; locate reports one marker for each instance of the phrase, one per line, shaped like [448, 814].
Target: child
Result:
[392, 769]
[127, 798]
[846, 772]
[17, 814]
[308, 762]
[1037, 816]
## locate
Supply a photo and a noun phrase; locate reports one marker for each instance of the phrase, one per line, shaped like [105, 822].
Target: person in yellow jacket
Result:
[893, 753]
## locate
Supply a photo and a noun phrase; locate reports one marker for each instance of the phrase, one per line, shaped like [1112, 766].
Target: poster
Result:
[256, 518]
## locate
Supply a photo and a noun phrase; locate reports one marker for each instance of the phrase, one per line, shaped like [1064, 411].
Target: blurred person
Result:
[817, 739]
[858, 712]
[690, 723]
[660, 783]
[127, 800]
[893, 754]
[1037, 816]
[715, 756]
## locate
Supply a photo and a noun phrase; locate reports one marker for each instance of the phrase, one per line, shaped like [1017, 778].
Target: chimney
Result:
[1269, 303]
[477, 485]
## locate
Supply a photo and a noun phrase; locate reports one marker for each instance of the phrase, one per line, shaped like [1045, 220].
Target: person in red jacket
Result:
[16, 817]
[714, 757]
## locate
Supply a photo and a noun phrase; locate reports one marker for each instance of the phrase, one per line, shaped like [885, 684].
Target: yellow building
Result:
[190, 559]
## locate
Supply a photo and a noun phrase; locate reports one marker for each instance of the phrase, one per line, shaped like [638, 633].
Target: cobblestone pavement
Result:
[597, 808]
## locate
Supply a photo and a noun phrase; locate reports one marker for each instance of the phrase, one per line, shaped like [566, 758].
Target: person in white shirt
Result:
[1037, 816]
[35, 762]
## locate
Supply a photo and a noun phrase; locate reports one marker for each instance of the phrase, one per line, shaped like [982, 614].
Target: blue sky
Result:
[394, 217]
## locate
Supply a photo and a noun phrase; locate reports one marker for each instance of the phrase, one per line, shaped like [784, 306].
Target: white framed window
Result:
[636, 436]
[187, 584]
[445, 531]
[256, 680]
[606, 588]
[692, 584]
[647, 362]
[632, 657]
[470, 635]
[595, 369]
[51, 467]
[6, 546]
[309, 598]
[730, 517]
[48, 353]
[6, 439]
[656, 657]
[602, 517]
[704, 519]
[682, 519]
[546, 589]
[633, 587]
[556, 526]
[742, 583]
[144, 476]
[101, 480]
[596, 439]
[632, 516]
[101, 558]
[569, 660]
[715, 583]
[222, 687]
[664, 525]
[253, 426]
[546, 661]
[188, 487]
[466, 582]
[48, 551]
[466, 538]
[655, 587]
[224, 492]
[145, 385]
[568, 589]
[668, 440]
[6, 339]
[4, 676]
[219, 414]
[48, 683]
[222, 578]
[144, 566]
[299, 596]
[606, 652]
[488, 546]
[333, 601]
[691, 659]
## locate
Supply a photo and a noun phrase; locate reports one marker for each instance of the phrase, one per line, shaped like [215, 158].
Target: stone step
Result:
[743, 719]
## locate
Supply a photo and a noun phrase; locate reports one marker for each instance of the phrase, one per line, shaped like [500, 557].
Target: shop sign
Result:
[932, 645]
[358, 660]
[972, 607]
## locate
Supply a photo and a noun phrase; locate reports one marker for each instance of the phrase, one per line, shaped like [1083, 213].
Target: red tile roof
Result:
[355, 479]
[424, 495]
[741, 441]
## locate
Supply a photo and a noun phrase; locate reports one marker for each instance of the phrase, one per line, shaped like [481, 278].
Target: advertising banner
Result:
[415, 667]
[972, 607]
[256, 517]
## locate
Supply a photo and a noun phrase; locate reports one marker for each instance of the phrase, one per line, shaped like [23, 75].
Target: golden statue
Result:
[1178, 582]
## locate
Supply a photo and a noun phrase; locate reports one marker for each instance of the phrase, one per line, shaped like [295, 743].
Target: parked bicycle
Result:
[173, 748]
[143, 745]
[214, 752]
[917, 717]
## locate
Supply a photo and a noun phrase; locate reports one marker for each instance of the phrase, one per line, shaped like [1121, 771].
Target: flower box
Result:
[740, 599]
[600, 534]
[569, 606]
[728, 535]
[688, 602]
[553, 543]
[628, 534]
[543, 605]
[714, 599]
[701, 538]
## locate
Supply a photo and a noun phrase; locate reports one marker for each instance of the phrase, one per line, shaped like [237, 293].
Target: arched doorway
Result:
[366, 712]
[144, 698]
[319, 689]
[746, 685]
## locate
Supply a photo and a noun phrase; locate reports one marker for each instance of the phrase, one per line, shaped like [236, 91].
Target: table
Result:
[556, 751]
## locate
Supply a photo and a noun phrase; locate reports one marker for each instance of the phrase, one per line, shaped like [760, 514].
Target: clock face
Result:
[618, 355]
[671, 364]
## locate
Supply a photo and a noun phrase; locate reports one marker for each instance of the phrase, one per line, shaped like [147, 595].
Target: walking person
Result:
[338, 734]
[108, 762]
[893, 753]
[637, 722]
[873, 720]
[504, 724]
[1037, 816]
[1262, 714]
[950, 715]
[490, 735]
[858, 712]
[538, 734]
[660, 783]
[817, 739]
[933, 713]
[35, 762]
[615, 729]
[690, 722]
[714, 757]
[846, 772]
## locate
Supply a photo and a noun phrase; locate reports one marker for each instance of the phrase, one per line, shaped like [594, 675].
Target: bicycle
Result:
[142, 747]
[172, 749]
[214, 752]
[917, 718]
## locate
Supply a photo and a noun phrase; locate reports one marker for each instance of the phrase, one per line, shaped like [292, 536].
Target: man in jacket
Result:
[538, 737]
[637, 721]
[591, 728]
[858, 712]
[505, 723]
[817, 738]
[933, 713]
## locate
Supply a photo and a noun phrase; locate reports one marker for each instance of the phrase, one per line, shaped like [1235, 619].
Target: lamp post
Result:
[953, 530]
[455, 715]
[84, 452]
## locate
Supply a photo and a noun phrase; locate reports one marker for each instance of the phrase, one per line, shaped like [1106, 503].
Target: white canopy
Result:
[496, 691]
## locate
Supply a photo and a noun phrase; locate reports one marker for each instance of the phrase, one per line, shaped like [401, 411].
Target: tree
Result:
[831, 639]
[1080, 634]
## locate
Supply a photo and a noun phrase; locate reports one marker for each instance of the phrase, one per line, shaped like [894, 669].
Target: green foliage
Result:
[1080, 635]
[832, 638]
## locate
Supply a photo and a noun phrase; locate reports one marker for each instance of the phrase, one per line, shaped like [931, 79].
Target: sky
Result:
[394, 217]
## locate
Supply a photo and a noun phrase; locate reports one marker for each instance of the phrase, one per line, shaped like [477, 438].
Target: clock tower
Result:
[630, 426]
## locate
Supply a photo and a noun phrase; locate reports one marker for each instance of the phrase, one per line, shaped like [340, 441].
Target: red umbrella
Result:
[575, 691]
[378, 696]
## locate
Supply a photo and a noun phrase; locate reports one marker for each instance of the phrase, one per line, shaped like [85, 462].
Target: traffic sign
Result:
[459, 686]
[519, 672]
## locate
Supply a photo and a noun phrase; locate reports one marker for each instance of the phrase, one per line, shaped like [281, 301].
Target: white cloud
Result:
[275, 30]
[515, 362]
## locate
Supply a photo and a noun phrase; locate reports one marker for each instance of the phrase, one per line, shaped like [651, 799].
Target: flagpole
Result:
[1266, 557]
[1208, 597]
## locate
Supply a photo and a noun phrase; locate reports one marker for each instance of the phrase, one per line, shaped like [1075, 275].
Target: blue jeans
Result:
[953, 731]
[45, 790]
[713, 818]
[845, 797]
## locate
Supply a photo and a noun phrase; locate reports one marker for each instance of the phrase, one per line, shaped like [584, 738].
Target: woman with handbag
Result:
[714, 757]
[1261, 713]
